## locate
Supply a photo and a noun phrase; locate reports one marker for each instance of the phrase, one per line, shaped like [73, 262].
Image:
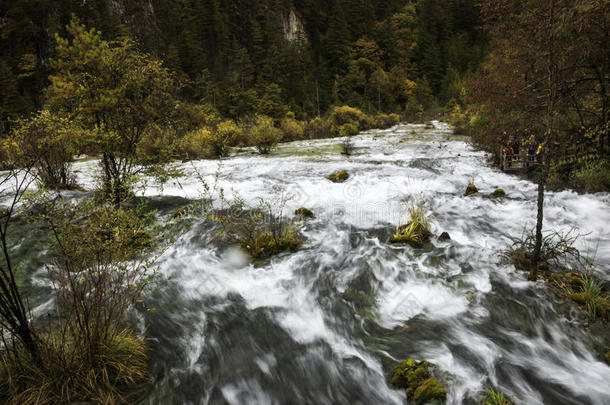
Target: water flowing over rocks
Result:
[328, 323]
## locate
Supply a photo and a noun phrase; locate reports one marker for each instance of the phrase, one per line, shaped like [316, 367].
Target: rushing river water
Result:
[327, 324]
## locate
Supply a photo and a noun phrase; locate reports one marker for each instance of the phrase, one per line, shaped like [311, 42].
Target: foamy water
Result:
[282, 332]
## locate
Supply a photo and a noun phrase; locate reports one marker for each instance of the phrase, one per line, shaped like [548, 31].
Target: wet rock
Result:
[471, 189]
[304, 212]
[338, 177]
[419, 385]
[429, 390]
[444, 237]
[498, 193]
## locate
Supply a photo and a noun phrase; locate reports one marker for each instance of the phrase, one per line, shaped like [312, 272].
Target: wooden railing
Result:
[519, 161]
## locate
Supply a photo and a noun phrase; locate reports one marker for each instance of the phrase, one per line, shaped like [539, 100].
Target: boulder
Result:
[338, 177]
[419, 385]
[471, 189]
[498, 193]
[444, 236]
[304, 212]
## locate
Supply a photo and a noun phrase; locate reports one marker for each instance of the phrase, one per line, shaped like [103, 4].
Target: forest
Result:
[303, 201]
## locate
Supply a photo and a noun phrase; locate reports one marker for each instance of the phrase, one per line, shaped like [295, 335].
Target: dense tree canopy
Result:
[263, 57]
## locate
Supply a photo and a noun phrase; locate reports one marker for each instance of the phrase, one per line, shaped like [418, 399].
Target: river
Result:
[327, 324]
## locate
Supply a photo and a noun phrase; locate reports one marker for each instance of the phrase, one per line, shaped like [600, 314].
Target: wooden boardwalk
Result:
[519, 162]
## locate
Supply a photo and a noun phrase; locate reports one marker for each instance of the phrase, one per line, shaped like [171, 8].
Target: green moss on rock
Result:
[304, 212]
[338, 177]
[498, 193]
[415, 378]
[429, 390]
[471, 189]
[266, 245]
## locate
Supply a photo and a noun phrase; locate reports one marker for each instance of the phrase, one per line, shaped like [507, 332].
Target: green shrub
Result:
[594, 176]
[262, 231]
[49, 142]
[293, 130]
[384, 121]
[195, 143]
[263, 135]
[346, 121]
[101, 266]
[317, 128]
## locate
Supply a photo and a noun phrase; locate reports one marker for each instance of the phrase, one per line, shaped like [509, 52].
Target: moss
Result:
[415, 378]
[444, 236]
[338, 177]
[497, 398]
[498, 193]
[266, 245]
[471, 189]
[607, 356]
[429, 390]
[304, 212]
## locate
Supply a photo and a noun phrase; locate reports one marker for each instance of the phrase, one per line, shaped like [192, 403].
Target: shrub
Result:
[226, 134]
[593, 176]
[100, 269]
[263, 135]
[195, 143]
[317, 128]
[557, 250]
[65, 374]
[347, 120]
[293, 130]
[347, 146]
[47, 141]
[262, 231]
[384, 121]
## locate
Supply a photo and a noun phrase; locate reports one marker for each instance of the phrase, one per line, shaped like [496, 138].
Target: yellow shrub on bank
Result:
[293, 130]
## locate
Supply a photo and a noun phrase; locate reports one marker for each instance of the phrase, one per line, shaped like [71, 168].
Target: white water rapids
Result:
[285, 332]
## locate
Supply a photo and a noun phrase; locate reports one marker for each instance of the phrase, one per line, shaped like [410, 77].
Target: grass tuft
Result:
[417, 231]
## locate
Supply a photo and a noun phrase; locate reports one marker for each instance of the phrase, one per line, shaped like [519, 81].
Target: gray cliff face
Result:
[294, 31]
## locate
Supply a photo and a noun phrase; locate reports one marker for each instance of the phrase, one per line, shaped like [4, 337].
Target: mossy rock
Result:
[471, 189]
[498, 193]
[410, 372]
[304, 212]
[338, 177]
[607, 356]
[265, 245]
[415, 378]
[599, 304]
[444, 236]
[429, 390]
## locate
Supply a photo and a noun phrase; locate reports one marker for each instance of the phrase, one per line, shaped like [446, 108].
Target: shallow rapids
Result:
[327, 324]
